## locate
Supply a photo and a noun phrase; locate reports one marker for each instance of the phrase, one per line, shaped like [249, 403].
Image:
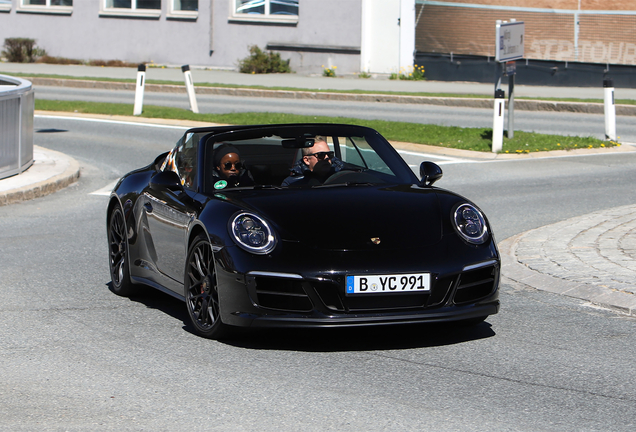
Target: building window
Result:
[183, 9]
[133, 4]
[5, 5]
[185, 5]
[47, 3]
[64, 7]
[265, 10]
[140, 8]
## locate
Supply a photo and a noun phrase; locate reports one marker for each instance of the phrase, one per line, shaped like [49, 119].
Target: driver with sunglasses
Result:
[316, 165]
[228, 169]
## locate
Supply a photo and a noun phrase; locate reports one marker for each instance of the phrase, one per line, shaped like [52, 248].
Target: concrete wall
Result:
[328, 32]
[330, 24]
[85, 35]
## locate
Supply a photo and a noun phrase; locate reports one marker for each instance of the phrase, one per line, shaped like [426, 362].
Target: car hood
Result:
[349, 217]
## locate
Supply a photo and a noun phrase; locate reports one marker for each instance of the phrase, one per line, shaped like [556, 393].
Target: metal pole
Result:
[139, 89]
[610, 109]
[498, 121]
[511, 106]
[190, 87]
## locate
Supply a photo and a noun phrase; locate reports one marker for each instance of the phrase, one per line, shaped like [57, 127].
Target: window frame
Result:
[264, 18]
[48, 8]
[133, 11]
[180, 14]
[4, 7]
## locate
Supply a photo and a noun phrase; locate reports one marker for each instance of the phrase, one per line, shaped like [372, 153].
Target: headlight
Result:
[470, 224]
[252, 233]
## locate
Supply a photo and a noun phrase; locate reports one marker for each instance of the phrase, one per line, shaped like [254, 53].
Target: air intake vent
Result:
[476, 284]
[282, 294]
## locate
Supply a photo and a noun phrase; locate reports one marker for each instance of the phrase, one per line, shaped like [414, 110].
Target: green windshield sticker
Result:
[221, 184]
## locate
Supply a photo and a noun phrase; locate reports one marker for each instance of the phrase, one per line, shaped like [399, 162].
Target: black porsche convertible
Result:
[282, 243]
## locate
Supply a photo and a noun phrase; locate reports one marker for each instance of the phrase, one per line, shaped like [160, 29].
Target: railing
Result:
[17, 103]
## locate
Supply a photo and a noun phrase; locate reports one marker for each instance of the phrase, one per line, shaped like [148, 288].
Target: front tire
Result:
[118, 255]
[201, 290]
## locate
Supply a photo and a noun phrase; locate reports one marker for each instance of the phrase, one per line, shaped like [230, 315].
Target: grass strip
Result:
[477, 139]
[257, 87]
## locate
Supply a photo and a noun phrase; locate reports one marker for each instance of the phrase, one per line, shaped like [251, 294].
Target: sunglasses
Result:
[228, 165]
[322, 155]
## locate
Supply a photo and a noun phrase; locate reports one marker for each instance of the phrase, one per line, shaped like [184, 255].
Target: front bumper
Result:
[264, 299]
[319, 320]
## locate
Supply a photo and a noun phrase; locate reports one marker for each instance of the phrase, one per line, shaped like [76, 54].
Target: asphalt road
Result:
[73, 356]
[560, 123]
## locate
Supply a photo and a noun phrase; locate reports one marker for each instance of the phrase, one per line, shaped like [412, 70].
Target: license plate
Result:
[389, 284]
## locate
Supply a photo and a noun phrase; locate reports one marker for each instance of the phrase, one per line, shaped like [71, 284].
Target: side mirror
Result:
[430, 173]
[166, 180]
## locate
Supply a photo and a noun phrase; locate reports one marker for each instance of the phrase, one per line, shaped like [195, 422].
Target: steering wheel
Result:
[344, 176]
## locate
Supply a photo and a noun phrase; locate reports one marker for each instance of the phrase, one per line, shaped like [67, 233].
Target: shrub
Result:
[412, 73]
[329, 71]
[259, 62]
[112, 63]
[21, 50]
[58, 60]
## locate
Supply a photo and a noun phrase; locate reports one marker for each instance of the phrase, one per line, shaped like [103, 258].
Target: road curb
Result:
[515, 271]
[69, 175]
[520, 104]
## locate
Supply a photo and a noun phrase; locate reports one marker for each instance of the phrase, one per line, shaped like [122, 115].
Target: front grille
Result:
[440, 289]
[386, 302]
[328, 293]
[476, 284]
[282, 294]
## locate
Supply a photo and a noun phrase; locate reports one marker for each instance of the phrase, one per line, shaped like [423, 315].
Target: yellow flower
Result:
[558, 144]
[602, 145]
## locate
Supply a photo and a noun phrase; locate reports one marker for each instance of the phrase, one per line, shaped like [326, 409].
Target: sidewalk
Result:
[379, 83]
[50, 172]
[590, 257]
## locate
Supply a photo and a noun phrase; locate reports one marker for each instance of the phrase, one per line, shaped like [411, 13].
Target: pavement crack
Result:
[507, 379]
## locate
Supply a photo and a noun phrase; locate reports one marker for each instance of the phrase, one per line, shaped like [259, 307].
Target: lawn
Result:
[477, 139]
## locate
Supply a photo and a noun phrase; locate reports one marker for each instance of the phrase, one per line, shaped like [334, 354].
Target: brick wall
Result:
[548, 36]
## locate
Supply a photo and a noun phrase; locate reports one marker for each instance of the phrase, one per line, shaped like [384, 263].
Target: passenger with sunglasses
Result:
[316, 165]
[229, 171]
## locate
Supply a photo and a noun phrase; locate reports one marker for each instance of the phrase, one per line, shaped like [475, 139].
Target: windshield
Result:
[301, 156]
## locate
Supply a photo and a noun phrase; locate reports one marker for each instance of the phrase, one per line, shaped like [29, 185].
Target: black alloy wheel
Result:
[118, 254]
[201, 291]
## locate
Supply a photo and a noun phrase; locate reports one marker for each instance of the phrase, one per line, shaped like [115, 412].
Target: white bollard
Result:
[610, 110]
[139, 89]
[498, 122]
[187, 75]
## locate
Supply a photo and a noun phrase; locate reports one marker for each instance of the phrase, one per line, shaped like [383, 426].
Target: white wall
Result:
[388, 35]
[368, 28]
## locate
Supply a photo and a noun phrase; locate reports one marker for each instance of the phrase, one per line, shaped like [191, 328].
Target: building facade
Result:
[376, 36]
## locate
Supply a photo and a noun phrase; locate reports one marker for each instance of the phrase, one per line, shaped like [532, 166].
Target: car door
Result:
[170, 213]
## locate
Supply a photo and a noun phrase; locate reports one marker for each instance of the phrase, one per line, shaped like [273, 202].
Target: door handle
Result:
[148, 207]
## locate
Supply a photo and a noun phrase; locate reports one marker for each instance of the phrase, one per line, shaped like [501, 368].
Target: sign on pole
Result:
[509, 47]
[509, 41]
